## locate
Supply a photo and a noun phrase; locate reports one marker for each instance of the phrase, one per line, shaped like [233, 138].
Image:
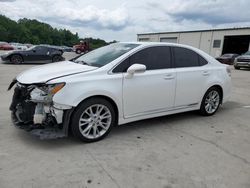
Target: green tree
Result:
[35, 32]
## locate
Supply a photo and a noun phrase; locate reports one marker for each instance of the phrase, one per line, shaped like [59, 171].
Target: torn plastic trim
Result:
[14, 81]
[50, 122]
[50, 132]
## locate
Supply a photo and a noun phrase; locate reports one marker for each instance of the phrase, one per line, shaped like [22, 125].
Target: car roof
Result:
[148, 44]
[160, 43]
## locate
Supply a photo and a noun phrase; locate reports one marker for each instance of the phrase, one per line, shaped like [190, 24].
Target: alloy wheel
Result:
[16, 59]
[212, 101]
[95, 121]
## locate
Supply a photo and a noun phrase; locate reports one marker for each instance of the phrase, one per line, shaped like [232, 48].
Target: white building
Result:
[214, 42]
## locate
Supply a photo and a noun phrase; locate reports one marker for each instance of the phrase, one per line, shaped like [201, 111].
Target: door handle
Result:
[205, 73]
[169, 77]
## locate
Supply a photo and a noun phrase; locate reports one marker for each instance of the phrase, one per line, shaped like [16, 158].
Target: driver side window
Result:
[153, 58]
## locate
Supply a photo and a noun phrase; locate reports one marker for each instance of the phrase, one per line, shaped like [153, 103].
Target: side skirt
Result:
[159, 113]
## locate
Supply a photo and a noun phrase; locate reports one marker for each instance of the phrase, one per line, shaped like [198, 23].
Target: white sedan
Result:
[117, 84]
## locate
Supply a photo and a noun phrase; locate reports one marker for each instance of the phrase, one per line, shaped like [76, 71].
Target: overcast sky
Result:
[122, 20]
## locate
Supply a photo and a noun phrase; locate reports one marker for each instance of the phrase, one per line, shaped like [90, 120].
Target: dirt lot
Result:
[178, 151]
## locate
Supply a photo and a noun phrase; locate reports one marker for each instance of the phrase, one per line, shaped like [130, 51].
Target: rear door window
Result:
[185, 57]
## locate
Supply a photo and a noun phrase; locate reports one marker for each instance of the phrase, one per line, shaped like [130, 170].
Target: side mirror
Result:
[135, 68]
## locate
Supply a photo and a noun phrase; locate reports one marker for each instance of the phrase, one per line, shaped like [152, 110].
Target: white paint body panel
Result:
[140, 90]
[145, 95]
[43, 73]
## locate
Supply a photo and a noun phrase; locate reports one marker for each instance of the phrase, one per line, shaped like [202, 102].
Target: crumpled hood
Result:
[43, 73]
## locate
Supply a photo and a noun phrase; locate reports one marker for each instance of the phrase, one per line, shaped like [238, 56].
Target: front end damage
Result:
[33, 110]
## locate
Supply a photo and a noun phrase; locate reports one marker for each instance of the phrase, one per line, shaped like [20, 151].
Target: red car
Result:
[83, 47]
[227, 58]
[5, 46]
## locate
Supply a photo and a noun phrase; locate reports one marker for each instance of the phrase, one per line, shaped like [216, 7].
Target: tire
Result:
[93, 120]
[16, 59]
[78, 51]
[56, 58]
[211, 101]
[236, 67]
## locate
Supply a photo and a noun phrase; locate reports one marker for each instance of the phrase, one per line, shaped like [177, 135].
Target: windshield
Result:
[105, 55]
[247, 53]
[31, 48]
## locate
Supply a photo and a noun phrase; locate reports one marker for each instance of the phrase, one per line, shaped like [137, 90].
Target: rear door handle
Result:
[168, 77]
[205, 73]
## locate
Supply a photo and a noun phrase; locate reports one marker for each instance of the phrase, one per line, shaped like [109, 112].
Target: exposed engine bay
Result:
[32, 109]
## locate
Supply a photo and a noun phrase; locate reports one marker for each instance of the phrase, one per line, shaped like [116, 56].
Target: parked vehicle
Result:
[67, 48]
[5, 46]
[117, 84]
[42, 54]
[227, 58]
[242, 61]
[28, 45]
[83, 47]
[18, 46]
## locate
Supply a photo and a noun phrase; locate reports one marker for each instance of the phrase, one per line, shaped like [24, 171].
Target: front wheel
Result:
[93, 120]
[16, 59]
[210, 102]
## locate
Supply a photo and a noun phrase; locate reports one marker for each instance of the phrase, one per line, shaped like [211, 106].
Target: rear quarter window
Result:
[202, 61]
[185, 58]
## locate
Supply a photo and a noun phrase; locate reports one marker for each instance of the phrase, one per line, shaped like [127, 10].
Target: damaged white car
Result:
[117, 84]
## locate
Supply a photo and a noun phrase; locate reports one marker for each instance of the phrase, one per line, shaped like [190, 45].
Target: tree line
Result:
[36, 32]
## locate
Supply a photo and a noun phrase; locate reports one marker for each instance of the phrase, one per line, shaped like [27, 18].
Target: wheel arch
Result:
[220, 89]
[109, 99]
[10, 56]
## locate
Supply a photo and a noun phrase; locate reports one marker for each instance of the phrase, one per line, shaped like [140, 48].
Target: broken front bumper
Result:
[43, 131]
[41, 118]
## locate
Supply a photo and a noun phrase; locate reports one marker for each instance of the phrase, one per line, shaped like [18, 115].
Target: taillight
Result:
[228, 71]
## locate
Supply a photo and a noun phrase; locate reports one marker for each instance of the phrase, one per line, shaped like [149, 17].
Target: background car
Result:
[242, 61]
[6, 46]
[18, 46]
[117, 84]
[82, 47]
[40, 53]
[67, 48]
[227, 58]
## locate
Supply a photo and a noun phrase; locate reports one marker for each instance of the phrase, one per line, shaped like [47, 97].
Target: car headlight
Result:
[45, 93]
[52, 89]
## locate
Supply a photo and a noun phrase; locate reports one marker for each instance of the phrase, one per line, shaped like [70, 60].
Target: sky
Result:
[123, 20]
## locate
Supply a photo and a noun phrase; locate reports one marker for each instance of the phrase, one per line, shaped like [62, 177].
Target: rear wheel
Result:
[16, 59]
[93, 120]
[78, 51]
[211, 101]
